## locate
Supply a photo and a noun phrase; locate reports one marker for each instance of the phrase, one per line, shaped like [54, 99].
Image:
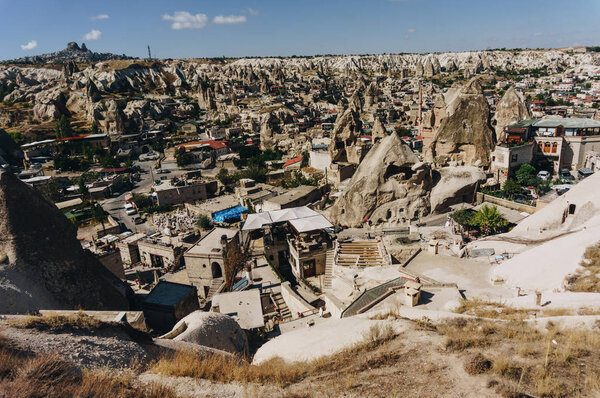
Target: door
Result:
[308, 268]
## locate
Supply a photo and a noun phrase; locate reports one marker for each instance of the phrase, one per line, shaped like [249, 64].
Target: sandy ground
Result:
[322, 339]
[472, 277]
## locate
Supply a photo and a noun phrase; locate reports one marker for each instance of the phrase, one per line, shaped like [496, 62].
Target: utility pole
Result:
[149, 53]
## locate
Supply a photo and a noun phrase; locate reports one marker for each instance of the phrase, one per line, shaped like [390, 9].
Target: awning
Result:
[313, 223]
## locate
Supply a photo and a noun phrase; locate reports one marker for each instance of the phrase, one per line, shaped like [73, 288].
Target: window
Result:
[514, 157]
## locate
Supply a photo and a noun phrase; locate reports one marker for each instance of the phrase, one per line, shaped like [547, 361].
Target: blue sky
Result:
[211, 28]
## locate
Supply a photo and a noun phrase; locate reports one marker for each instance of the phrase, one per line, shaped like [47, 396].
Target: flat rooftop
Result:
[212, 241]
[168, 293]
[245, 307]
[292, 195]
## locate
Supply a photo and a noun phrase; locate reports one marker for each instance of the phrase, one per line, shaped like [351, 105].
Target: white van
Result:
[130, 209]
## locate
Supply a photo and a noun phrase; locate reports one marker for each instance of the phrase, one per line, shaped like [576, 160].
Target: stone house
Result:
[205, 260]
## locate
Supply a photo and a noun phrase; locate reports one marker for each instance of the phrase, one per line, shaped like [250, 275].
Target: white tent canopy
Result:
[258, 220]
[312, 223]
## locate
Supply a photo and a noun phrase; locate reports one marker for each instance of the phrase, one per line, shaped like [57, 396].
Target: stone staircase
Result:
[214, 288]
[329, 263]
[286, 314]
[360, 253]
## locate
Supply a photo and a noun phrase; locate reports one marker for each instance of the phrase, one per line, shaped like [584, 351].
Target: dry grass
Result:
[477, 364]
[32, 376]
[226, 369]
[493, 310]
[550, 363]
[77, 323]
[587, 279]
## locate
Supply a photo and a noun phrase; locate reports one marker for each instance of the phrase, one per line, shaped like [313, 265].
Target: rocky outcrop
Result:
[454, 185]
[510, 109]
[206, 99]
[10, 152]
[379, 132]
[390, 185]
[371, 95]
[91, 91]
[345, 138]
[418, 69]
[72, 53]
[42, 264]
[267, 131]
[49, 104]
[464, 136]
[355, 103]
[210, 329]
[428, 68]
[113, 119]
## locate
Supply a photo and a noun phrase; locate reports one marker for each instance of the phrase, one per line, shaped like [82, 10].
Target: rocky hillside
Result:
[129, 95]
[73, 52]
[42, 265]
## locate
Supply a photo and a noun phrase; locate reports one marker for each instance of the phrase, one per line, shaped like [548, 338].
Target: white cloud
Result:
[93, 34]
[252, 11]
[411, 30]
[29, 46]
[229, 19]
[100, 17]
[185, 20]
[537, 34]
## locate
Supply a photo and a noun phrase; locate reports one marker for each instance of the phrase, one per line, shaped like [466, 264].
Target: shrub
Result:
[477, 364]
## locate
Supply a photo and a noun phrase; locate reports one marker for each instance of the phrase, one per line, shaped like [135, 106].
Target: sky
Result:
[238, 28]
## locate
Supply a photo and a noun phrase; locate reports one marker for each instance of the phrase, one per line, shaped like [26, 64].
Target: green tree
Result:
[183, 158]
[489, 220]
[511, 187]
[94, 129]
[235, 259]
[63, 127]
[99, 215]
[305, 159]
[464, 217]
[225, 178]
[142, 201]
[83, 190]
[526, 175]
[203, 221]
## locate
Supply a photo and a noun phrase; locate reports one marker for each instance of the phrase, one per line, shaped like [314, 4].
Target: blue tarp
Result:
[240, 285]
[231, 214]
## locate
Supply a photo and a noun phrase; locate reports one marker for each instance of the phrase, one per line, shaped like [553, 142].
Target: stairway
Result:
[329, 263]
[214, 288]
[284, 311]
[367, 252]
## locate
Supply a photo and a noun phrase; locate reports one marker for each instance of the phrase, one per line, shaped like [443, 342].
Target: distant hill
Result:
[72, 53]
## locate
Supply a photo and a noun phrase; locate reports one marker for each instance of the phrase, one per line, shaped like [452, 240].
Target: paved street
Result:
[115, 206]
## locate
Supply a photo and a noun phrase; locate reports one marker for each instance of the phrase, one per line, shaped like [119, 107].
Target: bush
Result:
[477, 364]
[203, 222]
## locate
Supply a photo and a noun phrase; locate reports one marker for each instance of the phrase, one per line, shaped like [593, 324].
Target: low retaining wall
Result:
[334, 306]
[295, 303]
[481, 198]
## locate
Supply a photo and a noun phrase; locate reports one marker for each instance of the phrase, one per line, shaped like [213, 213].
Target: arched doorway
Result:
[216, 270]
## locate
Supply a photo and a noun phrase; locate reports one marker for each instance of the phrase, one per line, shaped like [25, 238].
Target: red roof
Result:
[79, 137]
[115, 170]
[213, 144]
[538, 102]
[292, 161]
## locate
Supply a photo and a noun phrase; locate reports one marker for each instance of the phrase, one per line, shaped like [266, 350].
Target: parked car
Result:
[130, 209]
[149, 156]
[584, 172]
[565, 175]
[137, 219]
[543, 175]
[162, 171]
